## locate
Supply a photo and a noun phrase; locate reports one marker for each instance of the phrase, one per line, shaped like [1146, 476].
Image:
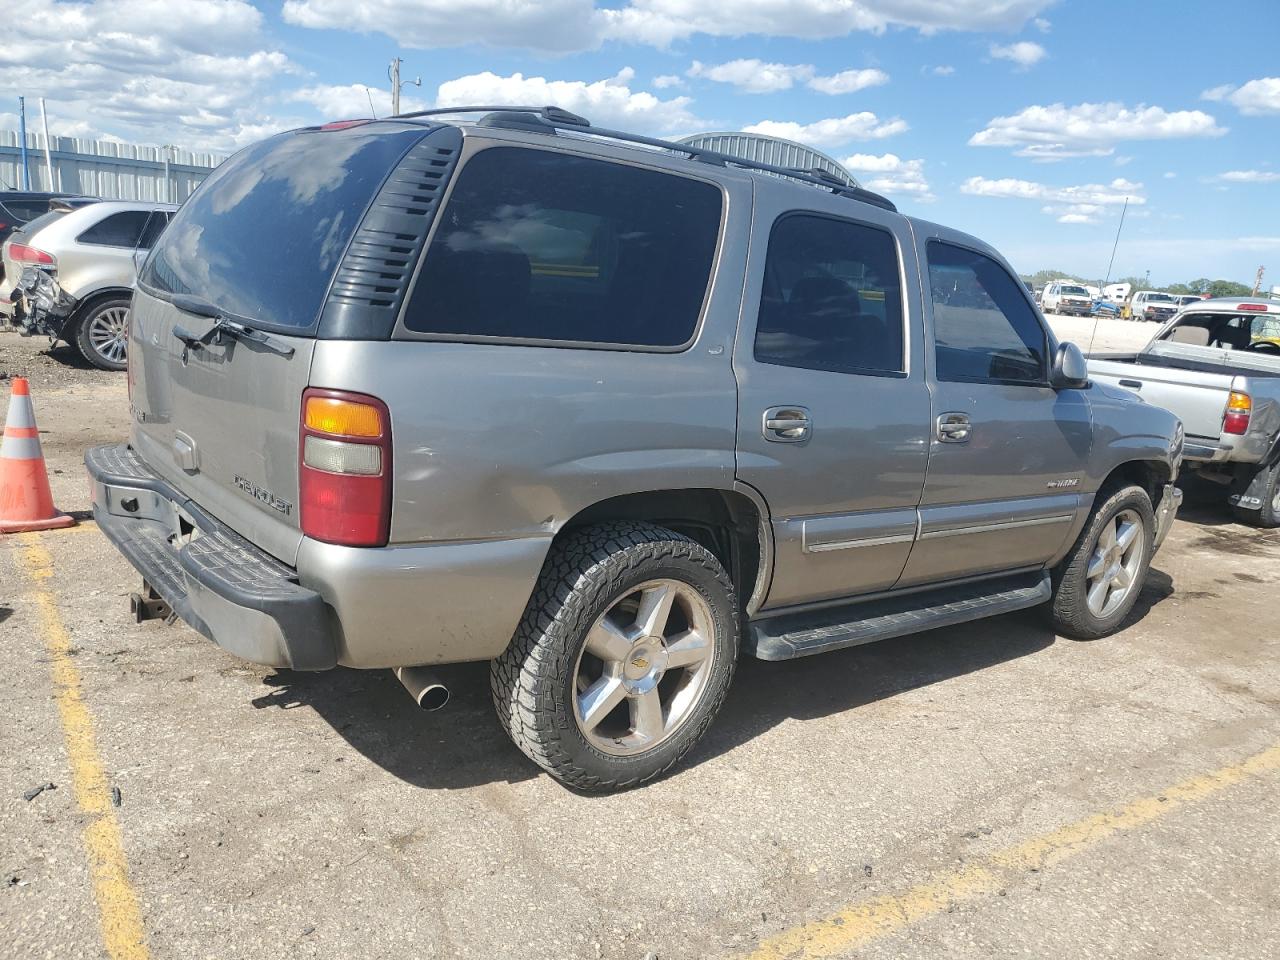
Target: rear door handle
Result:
[1131, 384]
[954, 428]
[787, 424]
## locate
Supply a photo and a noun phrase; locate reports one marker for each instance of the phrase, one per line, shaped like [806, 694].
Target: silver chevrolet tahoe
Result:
[609, 412]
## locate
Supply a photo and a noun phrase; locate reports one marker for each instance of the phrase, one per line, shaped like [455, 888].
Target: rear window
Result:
[535, 245]
[42, 221]
[262, 236]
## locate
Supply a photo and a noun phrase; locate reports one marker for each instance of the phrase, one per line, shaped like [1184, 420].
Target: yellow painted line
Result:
[118, 911]
[862, 923]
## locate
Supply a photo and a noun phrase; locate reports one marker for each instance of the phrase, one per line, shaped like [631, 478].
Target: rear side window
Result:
[118, 230]
[21, 211]
[984, 329]
[832, 297]
[535, 245]
[262, 236]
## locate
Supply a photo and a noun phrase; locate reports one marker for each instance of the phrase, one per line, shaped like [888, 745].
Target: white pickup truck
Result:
[1217, 366]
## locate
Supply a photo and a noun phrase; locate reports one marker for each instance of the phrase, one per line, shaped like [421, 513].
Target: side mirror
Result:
[1070, 370]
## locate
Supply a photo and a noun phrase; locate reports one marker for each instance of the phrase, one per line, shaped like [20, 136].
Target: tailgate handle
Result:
[1131, 384]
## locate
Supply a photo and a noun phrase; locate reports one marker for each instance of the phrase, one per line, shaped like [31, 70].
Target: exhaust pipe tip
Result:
[423, 685]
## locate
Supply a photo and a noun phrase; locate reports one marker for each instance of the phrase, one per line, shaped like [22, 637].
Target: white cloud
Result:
[943, 70]
[1089, 129]
[891, 174]
[608, 102]
[756, 76]
[849, 81]
[1255, 97]
[133, 69]
[557, 26]
[1024, 53]
[668, 80]
[352, 100]
[1249, 176]
[833, 131]
[567, 25]
[1043, 25]
[1071, 204]
[660, 22]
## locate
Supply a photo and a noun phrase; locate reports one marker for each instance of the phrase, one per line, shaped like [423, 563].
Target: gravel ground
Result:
[273, 814]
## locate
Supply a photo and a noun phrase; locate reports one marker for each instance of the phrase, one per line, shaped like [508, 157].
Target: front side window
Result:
[984, 329]
[159, 220]
[118, 230]
[537, 245]
[832, 298]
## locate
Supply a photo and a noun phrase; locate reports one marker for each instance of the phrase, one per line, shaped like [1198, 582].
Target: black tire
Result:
[1070, 610]
[534, 681]
[82, 338]
[1267, 515]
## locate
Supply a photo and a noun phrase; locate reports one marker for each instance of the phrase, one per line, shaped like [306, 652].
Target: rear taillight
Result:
[1236, 421]
[345, 473]
[21, 253]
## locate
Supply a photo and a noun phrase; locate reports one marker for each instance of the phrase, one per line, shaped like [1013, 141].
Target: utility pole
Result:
[395, 86]
[48, 157]
[394, 73]
[1257, 281]
[22, 142]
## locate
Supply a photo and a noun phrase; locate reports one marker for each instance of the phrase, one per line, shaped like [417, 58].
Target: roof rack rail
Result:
[559, 118]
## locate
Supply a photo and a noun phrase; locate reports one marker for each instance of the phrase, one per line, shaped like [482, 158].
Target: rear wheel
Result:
[102, 335]
[623, 658]
[1097, 584]
[1267, 513]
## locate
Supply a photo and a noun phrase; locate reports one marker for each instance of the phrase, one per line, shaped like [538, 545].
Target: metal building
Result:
[774, 150]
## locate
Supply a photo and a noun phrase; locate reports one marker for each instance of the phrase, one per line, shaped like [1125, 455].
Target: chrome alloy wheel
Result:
[109, 333]
[1112, 573]
[644, 667]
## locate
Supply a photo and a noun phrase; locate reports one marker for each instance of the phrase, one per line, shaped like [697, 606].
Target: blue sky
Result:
[1026, 122]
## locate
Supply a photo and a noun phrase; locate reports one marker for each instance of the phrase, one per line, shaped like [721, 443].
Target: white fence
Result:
[104, 168]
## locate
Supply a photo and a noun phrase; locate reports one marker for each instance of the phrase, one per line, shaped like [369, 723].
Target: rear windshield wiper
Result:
[224, 324]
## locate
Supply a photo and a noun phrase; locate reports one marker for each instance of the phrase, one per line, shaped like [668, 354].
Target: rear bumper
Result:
[394, 606]
[1165, 513]
[243, 600]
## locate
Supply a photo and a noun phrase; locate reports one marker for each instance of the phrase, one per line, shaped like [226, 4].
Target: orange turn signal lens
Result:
[1239, 403]
[343, 418]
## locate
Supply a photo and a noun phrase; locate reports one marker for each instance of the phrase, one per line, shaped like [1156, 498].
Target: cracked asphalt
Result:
[267, 813]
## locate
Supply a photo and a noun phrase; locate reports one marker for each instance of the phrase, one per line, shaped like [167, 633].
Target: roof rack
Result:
[556, 118]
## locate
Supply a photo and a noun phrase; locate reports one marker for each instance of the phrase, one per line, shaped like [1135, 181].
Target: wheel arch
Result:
[1150, 475]
[732, 523]
[88, 302]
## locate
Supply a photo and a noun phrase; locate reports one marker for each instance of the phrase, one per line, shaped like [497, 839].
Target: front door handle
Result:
[787, 424]
[954, 428]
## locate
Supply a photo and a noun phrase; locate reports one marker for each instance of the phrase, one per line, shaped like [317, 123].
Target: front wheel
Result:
[1097, 584]
[102, 335]
[624, 655]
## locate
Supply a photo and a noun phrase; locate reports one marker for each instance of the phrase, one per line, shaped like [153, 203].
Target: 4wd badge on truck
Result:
[266, 496]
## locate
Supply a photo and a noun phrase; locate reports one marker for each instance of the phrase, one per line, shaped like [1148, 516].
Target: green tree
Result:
[1228, 288]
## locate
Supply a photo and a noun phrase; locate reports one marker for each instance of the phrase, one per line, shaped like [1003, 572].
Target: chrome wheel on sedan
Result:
[1114, 567]
[644, 667]
[103, 334]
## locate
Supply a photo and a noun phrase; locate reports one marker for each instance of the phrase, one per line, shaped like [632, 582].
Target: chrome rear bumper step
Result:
[801, 634]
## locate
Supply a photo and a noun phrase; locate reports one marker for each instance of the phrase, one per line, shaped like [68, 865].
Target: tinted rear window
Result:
[42, 221]
[262, 236]
[536, 245]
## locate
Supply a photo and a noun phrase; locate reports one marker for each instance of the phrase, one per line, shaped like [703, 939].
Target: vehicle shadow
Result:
[463, 746]
[68, 357]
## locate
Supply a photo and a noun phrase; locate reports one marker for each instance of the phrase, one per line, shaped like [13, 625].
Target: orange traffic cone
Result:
[25, 500]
